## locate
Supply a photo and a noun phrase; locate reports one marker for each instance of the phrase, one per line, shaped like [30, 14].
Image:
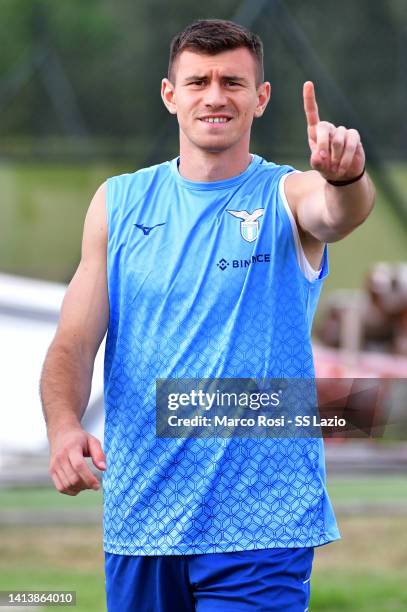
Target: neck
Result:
[204, 166]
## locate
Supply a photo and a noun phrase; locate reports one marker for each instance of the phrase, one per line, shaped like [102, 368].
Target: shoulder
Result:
[272, 172]
[135, 186]
[143, 174]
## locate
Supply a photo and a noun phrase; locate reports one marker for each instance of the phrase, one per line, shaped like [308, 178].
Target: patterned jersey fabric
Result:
[204, 282]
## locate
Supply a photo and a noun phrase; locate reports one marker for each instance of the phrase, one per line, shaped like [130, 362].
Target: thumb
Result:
[96, 453]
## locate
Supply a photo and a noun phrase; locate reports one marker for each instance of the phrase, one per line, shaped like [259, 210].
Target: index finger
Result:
[310, 104]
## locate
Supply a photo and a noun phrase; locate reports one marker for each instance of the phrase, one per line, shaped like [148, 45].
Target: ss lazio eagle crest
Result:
[249, 226]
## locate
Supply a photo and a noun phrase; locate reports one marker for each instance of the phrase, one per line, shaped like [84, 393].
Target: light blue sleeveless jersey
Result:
[199, 290]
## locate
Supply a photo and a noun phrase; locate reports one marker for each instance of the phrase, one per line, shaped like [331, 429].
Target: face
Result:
[215, 98]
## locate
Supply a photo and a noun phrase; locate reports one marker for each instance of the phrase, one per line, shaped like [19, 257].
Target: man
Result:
[208, 266]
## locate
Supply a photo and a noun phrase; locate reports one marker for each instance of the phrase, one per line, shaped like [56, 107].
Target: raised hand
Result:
[336, 152]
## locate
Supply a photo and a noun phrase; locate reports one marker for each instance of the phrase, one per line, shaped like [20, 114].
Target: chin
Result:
[213, 145]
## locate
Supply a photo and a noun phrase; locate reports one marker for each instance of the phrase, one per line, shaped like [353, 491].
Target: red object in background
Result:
[337, 363]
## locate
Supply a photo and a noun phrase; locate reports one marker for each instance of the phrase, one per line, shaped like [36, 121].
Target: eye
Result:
[233, 83]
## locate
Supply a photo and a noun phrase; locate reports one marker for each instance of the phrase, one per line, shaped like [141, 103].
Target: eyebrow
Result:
[224, 78]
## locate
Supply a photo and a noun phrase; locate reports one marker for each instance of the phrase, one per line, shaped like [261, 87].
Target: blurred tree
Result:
[112, 55]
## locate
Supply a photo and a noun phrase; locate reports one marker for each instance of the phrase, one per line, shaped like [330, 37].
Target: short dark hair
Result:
[212, 36]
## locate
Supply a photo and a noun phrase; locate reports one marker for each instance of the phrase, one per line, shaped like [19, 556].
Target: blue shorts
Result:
[267, 580]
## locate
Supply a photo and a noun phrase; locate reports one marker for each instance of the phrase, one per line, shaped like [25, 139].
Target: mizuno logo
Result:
[146, 230]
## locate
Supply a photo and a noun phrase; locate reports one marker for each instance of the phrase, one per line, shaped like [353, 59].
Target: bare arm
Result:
[68, 367]
[324, 212]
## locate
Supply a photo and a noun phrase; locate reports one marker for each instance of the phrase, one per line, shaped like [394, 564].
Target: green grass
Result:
[374, 489]
[54, 558]
[43, 207]
[47, 498]
[358, 591]
[365, 570]
[89, 586]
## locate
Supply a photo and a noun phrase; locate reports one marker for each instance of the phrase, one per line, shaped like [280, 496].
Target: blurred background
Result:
[79, 101]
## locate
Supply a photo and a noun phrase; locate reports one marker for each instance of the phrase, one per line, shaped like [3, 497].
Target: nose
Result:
[215, 95]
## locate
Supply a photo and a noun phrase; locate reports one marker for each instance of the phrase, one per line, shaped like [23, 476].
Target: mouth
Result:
[215, 119]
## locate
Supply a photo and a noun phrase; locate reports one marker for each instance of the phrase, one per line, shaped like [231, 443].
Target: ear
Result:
[168, 96]
[263, 96]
